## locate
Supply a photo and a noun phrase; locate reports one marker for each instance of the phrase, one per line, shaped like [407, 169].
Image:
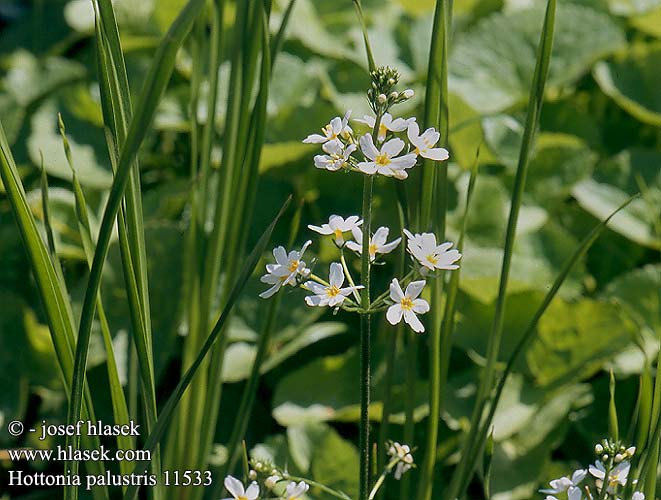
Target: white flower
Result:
[424, 144]
[377, 242]
[337, 226]
[387, 124]
[407, 304]
[403, 453]
[385, 162]
[638, 495]
[337, 156]
[295, 491]
[430, 255]
[408, 93]
[338, 127]
[285, 270]
[333, 294]
[617, 476]
[235, 488]
[565, 483]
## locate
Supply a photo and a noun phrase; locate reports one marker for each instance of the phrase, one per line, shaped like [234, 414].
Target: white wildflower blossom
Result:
[565, 483]
[407, 304]
[337, 226]
[338, 127]
[385, 161]
[638, 495]
[295, 491]
[377, 244]
[618, 475]
[388, 124]
[429, 254]
[424, 143]
[403, 453]
[236, 489]
[336, 157]
[332, 295]
[285, 270]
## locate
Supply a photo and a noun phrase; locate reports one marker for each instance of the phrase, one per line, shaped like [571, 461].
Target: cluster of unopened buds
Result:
[610, 471]
[401, 459]
[401, 303]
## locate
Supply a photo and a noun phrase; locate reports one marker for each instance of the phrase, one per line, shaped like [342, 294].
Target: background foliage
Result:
[599, 143]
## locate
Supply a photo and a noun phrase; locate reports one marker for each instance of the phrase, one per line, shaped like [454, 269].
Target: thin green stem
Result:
[315, 484]
[379, 482]
[347, 272]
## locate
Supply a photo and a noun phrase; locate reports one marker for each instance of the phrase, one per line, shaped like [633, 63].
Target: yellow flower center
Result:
[332, 291]
[406, 303]
[382, 160]
[432, 259]
[338, 233]
[328, 132]
[382, 130]
[372, 249]
[293, 266]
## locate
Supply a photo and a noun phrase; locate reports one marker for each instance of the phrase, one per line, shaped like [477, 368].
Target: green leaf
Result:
[630, 81]
[574, 339]
[492, 63]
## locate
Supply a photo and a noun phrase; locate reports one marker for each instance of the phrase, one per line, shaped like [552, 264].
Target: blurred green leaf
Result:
[492, 63]
[632, 82]
[575, 338]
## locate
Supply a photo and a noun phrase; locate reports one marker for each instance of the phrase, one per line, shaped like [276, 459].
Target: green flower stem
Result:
[379, 482]
[409, 425]
[348, 275]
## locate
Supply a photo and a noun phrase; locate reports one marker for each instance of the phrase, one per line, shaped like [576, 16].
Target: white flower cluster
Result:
[610, 471]
[292, 491]
[403, 458]
[384, 157]
[406, 304]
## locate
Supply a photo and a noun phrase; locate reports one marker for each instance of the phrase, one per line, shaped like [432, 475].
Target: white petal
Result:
[437, 154]
[366, 120]
[324, 229]
[367, 147]
[398, 125]
[396, 293]
[394, 314]
[420, 306]
[578, 476]
[357, 234]
[314, 139]
[315, 287]
[430, 137]
[333, 147]
[412, 320]
[380, 236]
[234, 486]
[313, 300]
[413, 132]
[392, 147]
[280, 255]
[271, 291]
[253, 491]
[389, 247]
[406, 161]
[354, 246]
[336, 275]
[414, 289]
[574, 493]
[368, 167]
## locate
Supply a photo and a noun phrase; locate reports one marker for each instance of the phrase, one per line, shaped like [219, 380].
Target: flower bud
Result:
[631, 451]
[618, 458]
[271, 481]
[408, 93]
[382, 98]
[604, 458]
[394, 95]
[252, 474]
[391, 81]
[598, 449]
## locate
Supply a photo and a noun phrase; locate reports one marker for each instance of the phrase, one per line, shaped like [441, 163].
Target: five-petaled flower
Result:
[388, 123]
[429, 254]
[377, 242]
[330, 295]
[424, 143]
[407, 304]
[236, 489]
[285, 270]
[403, 453]
[337, 156]
[338, 127]
[385, 162]
[337, 226]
